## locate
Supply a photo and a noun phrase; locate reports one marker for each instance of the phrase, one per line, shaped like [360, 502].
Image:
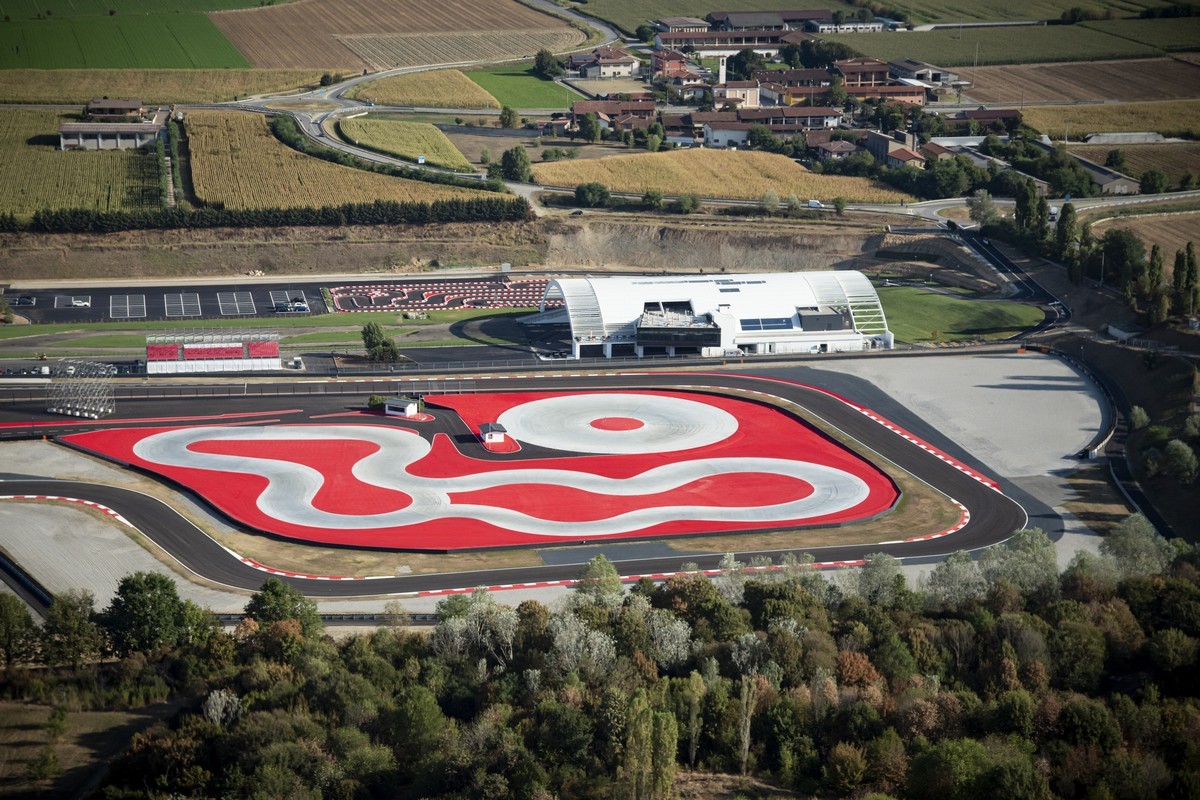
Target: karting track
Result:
[992, 515]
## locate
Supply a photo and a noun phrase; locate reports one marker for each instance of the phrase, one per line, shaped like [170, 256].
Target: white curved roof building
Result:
[774, 312]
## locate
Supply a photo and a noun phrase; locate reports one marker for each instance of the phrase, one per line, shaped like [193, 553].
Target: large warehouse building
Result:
[787, 312]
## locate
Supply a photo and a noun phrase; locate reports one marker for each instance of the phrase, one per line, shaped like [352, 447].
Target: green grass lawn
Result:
[516, 86]
[914, 314]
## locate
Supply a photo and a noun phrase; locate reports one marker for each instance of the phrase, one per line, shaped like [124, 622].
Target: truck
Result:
[815, 204]
[1053, 213]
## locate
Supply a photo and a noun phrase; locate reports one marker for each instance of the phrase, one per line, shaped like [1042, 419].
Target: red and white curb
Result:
[56, 498]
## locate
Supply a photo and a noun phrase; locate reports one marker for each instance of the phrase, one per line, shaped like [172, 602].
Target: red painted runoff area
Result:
[492, 503]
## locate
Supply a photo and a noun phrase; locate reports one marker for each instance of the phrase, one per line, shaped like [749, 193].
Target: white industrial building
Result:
[786, 312]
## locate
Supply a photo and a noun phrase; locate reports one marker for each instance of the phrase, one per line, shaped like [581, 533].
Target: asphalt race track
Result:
[993, 515]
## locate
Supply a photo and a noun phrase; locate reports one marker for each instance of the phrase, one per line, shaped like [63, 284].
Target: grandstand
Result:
[212, 351]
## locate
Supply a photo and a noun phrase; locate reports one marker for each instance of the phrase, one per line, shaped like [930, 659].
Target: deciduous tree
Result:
[70, 634]
[145, 614]
[277, 601]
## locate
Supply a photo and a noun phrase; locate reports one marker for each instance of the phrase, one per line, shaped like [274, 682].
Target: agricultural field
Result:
[516, 86]
[744, 175]
[1169, 117]
[406, 140]
[37, 175]
[628, 14]
[418, 49]
[1121, 81]
[957, 47]
[151, 86]
[1179, 33]
[237, 163]
[439, 88]
[184, 40]
[1173, 159]
[1171, 232]
[314, 33]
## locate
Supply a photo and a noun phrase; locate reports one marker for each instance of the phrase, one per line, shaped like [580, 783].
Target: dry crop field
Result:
[407, 140]
[37, 175]
[1168, 117]
[151, 86]
[744, 175]
[237, 163]
[1138, 80]
[1171, 232]
[1173, 158]
[417, 49]
[310, 33]
[439, 88]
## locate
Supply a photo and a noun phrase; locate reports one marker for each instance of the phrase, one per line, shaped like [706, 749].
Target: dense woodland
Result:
[1000, 677]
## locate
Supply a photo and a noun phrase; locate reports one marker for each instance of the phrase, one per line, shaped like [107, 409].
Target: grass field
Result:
[915, 315]
[1181, 33]
[237, 163]
[628, 14]
[184, 40]
[439, 88]
[1168, 117]
[150, 86]
[1173, 159]
[407, 140]
[712, 173]
[955, 47]
[37, 175]
[516, 86]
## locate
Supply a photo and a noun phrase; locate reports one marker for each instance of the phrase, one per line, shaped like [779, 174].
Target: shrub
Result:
[376, 402]
[1138, 418]
[593, 195]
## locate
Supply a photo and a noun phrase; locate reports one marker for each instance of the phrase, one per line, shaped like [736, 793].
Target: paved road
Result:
[993, 516]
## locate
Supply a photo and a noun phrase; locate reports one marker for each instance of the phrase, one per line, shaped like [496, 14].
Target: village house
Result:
[123, 132]
[101, 109]
[909, 95]
[669, 64]
[834, 150]
[860, 72]
[609, 62]
[740, 94]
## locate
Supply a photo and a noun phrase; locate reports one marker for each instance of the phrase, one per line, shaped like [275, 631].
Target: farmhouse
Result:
[859, 72]
[789, 20]
[681, 24]
[835, 150]
[794, 77]
[609, 62]
[830, 25]
[796, 312]
[105, 109]
[112, 135]
[608, 110]
[722, 43]
[1109, 180]
[909, 95]
[912, 69]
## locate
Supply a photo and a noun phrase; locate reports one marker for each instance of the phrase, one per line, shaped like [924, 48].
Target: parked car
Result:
[77, 303]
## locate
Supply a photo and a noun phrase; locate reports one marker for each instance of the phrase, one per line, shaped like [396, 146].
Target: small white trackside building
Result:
[726, 315]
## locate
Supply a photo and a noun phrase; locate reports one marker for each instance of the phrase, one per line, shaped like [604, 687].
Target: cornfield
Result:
[237, 163]
[151, 86]
[37, 175]
[407, 140]
[418, 49]
[1168, 117]
[442, 88]
[741, 175]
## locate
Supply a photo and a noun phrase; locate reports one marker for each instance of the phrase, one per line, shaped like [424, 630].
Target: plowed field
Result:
[1173, 159]
[1143, 79]
[1171, 232]
[418, 49]
[310, 33]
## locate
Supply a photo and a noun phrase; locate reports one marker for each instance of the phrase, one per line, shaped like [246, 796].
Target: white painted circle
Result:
[669, 424]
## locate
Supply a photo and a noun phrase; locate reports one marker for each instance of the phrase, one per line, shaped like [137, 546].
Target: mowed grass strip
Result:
[914, 315]
[37, 175]
[237, 163]
[407, 140]
[516, 86]
[1168, 117]
[150, 86]
[439, 88]
[955, 47]
[741, 175]
[184, 40]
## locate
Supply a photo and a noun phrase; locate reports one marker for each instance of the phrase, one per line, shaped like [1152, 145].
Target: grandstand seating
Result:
[162, 352]
[262, 349]
[208, 352]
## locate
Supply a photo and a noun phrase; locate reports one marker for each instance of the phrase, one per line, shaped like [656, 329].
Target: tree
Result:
[981, 208]
[644, 33]
[1137, 548]
[373, 336]
[742, 65]
[836, 95]
[592, 195]
[145, 614]
[845, 769]
[769, 201]
[653, 142]
[957, 579]
[509, 117]
[1138, 418]
[70, 634]
[1115, 160]
[653, 199]
[546, 65]
[16, 628]
[687, 204]
[589, 128]
[1027, 560]
[277, 601]
[1066, 232]
[1154, 181]
[1179, 462]
[839, 205]
[599, 581]
[515, 165]
[1124, 256]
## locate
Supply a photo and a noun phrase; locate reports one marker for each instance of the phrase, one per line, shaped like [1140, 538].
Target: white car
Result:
[77, 303]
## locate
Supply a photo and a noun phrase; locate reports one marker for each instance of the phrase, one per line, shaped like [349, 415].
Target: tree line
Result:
[996, 677]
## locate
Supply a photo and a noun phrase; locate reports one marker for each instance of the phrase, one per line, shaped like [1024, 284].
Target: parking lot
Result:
[166, 303]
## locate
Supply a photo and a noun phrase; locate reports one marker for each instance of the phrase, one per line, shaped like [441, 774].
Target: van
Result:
[815, 204]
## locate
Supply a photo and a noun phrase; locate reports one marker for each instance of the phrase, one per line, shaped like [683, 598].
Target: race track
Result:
[992, 515]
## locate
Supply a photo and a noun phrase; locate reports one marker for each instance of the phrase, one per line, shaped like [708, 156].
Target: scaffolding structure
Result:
[81, 388]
